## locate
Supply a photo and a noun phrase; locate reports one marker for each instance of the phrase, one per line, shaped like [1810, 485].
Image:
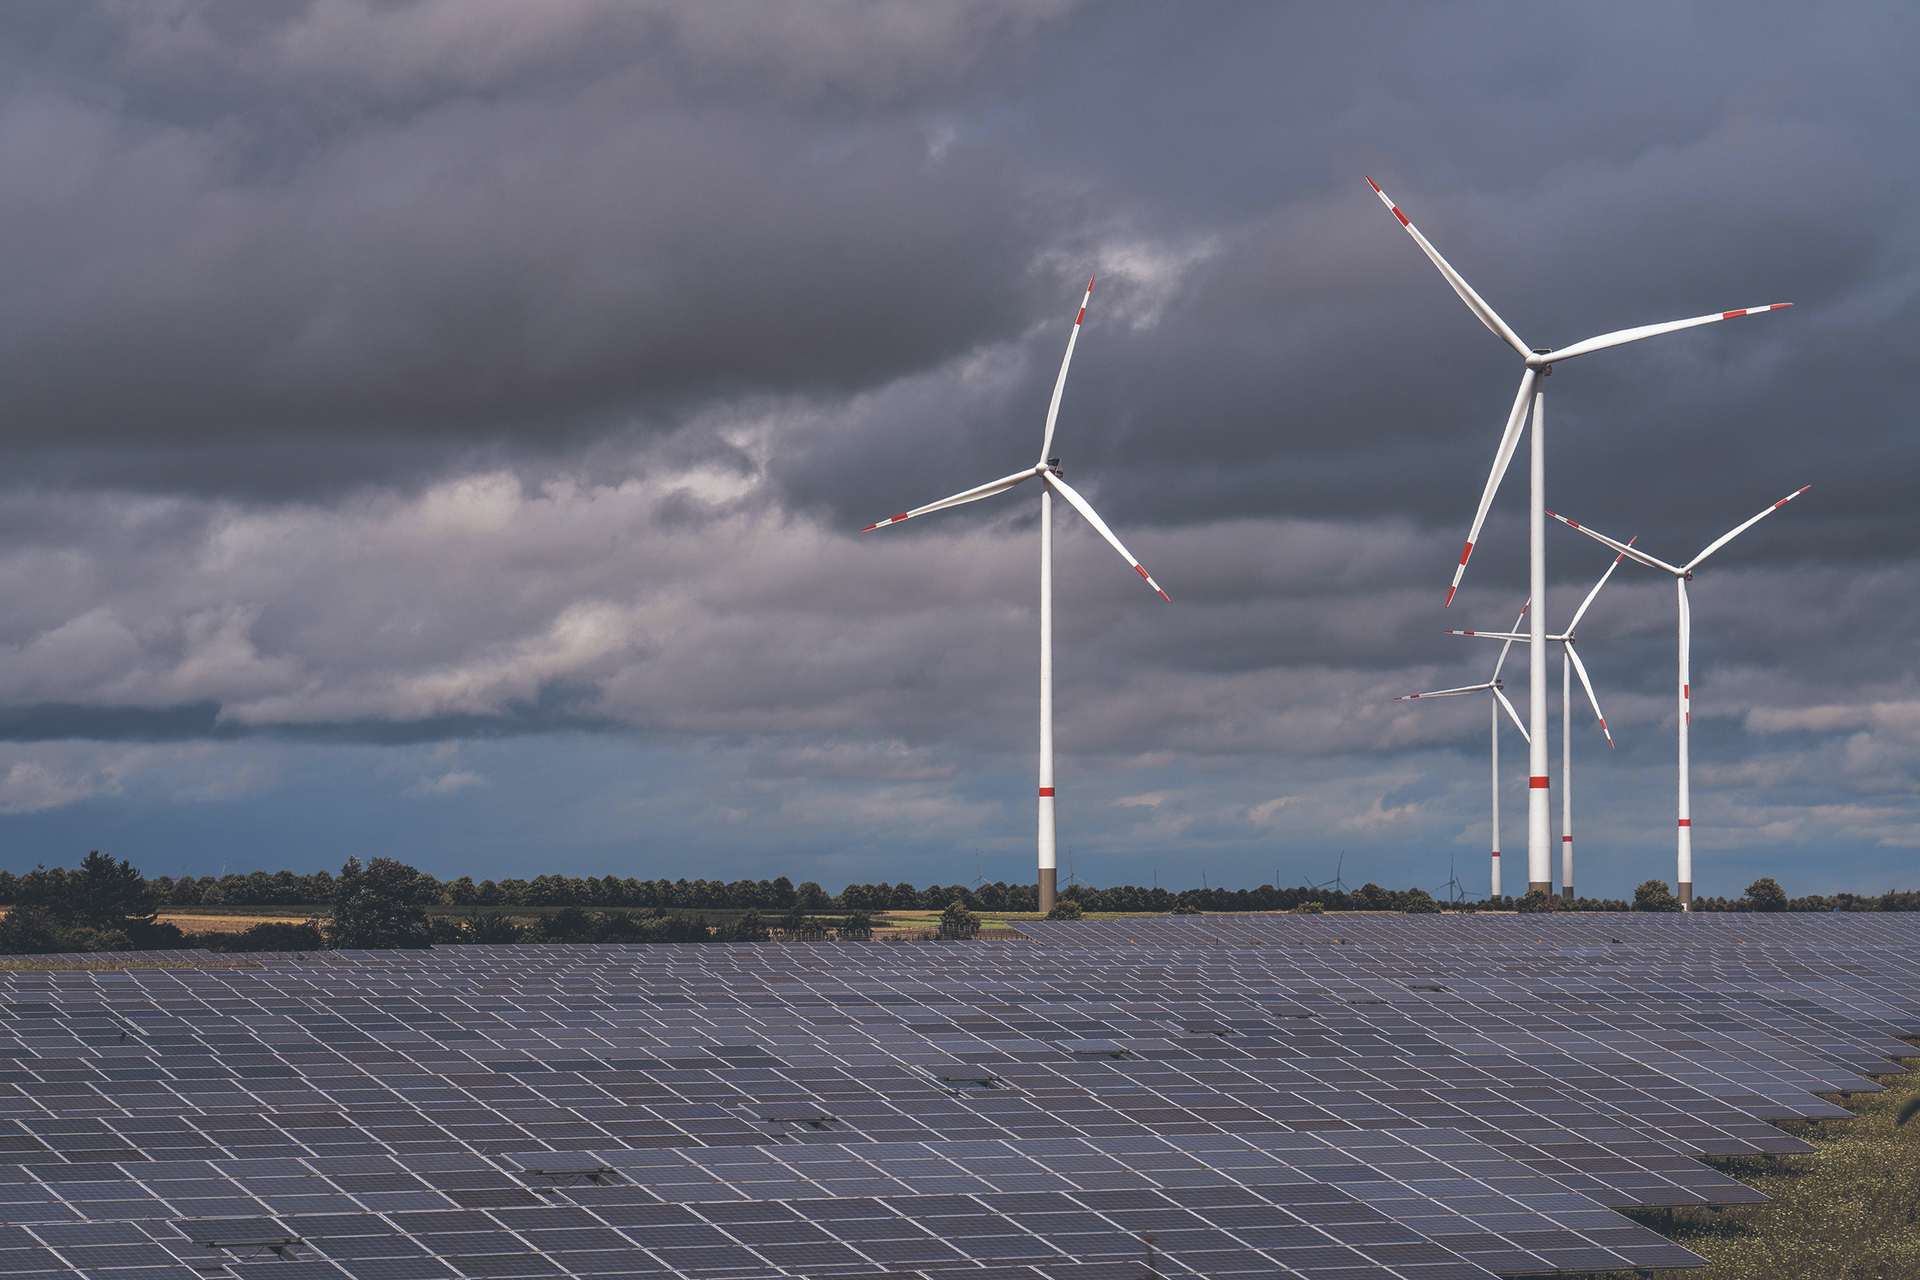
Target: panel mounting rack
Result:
[282, 1247]
[809, 1116]
[598, 1174]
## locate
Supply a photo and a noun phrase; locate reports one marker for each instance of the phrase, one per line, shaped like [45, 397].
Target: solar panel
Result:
[1437, 1095]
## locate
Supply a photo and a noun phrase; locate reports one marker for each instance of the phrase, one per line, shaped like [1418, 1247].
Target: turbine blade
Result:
[1516, 420]
[1508, 636]
[1725, 538]
[1581, 612]
[1580, 669]
[1509, 644]
[1620, 336]
[1093, 518]
[1060, 383]
[1637, 556]
[1474, 301]
[1512, 714]
[972, 495]
[1444, 693]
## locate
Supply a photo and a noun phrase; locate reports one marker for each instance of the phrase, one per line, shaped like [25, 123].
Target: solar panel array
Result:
[1353, 1096]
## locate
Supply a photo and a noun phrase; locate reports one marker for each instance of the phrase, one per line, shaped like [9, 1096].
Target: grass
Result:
[1849, 1211]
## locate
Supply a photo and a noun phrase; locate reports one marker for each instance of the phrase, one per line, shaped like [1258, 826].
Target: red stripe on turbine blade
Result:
[1450, 590]
[1779, 305]
[1143, 573]
[1684, 691]
[1046, 791]
[1373, 184]
[897, 519]
[1082, 316]
[1729, 315]
[1404, 220]
[1536, 781]
[1091, 279]
[1465, 552]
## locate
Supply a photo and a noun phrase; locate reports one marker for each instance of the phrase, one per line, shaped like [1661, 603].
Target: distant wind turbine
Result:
[1682, 574]
[1494, 704]
[1569, 661]
[1539, 363]
[1048, 470]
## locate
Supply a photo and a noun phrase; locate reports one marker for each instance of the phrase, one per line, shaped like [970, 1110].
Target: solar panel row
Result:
[1357, 1097]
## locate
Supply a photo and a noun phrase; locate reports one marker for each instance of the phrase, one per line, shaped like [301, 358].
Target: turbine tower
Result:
[1569, 662]
[1539, 363]
[1494, 704]
[1683, 574]
[1048, 470]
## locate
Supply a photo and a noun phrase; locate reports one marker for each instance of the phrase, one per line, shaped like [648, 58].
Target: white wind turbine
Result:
[1494, 704]
[1569, 663]
[1539, 363]
[1682, 574]
[1048, 470]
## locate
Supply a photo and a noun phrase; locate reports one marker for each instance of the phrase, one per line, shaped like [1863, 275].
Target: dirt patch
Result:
[224, 924]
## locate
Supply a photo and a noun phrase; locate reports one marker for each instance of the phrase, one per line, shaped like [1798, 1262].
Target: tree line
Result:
[107, 905]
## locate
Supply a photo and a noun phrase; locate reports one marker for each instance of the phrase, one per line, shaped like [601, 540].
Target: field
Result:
[1850, 1211]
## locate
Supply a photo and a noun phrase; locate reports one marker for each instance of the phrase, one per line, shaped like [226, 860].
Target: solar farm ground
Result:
[1347, 1098]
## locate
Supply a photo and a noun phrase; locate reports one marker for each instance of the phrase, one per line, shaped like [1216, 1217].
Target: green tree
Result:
[1066, 909]
[1539, 901]
[749, 927]
[30, 930]
[858, 926]
[1765, 894]
[109, 894]
[377, 905]
[1655, 895]
[1420, 902]
[958, 922]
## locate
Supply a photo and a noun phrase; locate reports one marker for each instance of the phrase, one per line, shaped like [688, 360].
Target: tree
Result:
[105, 894]
[30, 930]
[1420, 902]
[377, 906]
[858, 926]
[1539, 901]
[958, 922]
[1765, 894]
[812, 898]
[1655, 895]
[1066, 909]
[749, 927]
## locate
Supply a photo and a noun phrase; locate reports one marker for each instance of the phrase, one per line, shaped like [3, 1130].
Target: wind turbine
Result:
[1682, 574]
[1048, 470]
[1569, 662]
[1539, 364]
[1497, 701]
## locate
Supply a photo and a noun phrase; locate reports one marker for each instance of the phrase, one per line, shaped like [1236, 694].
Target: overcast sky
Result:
[443, 430]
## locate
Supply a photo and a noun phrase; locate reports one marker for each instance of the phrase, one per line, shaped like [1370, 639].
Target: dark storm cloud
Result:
[414, 373]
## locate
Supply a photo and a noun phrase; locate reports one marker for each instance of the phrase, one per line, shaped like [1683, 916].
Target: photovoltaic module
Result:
[1361, 1097]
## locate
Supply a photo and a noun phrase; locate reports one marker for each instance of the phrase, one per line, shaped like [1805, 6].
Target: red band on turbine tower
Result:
[1046, 791]
[1566, 839]
[1686, 822]
[1496, 853]
[1536, 782]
